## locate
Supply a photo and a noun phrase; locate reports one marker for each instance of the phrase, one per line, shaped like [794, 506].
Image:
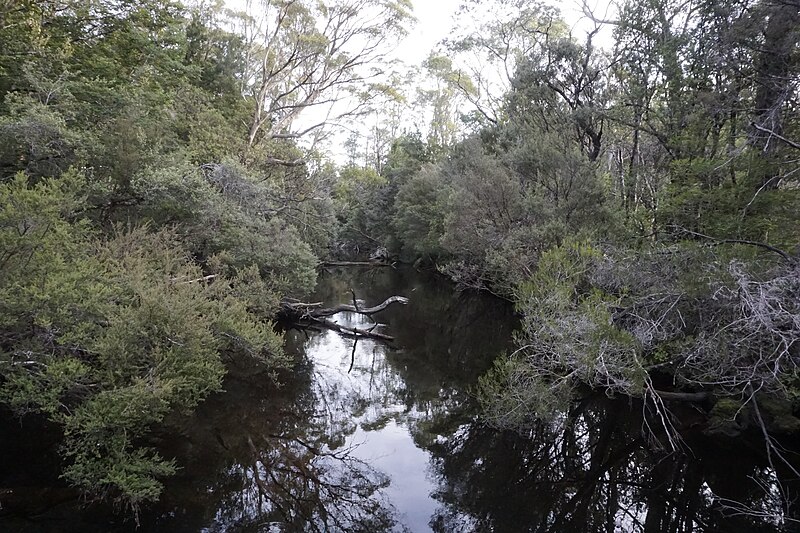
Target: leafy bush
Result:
[107, 336]
[609, 318]
[420, 212]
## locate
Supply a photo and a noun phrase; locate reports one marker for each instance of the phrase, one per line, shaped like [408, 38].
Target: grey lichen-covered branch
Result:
[313, 314]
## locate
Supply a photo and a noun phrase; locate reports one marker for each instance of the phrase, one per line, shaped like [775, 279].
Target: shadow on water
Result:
[362, 436]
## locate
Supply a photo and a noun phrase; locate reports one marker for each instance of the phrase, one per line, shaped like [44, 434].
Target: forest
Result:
[167, 184]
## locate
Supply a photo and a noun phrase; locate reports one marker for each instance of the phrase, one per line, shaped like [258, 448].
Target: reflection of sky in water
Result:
[322, 445]
[369, 396]
[392, 451]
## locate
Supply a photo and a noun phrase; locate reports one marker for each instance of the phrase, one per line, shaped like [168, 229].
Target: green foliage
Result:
[134, 472]
[106, 336]
[420, 211]
[687, 176]
[220, 209]
[568, 324]
[699, 199]
[146, 238]
[354, 184]
[34, 138]
[489, 211]
[358, 196]
[608, 318]
[514, 396]
[208, 129]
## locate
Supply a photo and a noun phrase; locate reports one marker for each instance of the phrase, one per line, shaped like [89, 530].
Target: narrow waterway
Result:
[346, 442]
[369, 436]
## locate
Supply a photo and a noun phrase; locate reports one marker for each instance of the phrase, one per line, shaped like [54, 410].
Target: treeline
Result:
[158, 200]
[639, 204]
[155, 206]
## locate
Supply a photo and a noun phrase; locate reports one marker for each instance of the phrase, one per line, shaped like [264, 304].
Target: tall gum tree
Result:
[525, 47]
[317, 58]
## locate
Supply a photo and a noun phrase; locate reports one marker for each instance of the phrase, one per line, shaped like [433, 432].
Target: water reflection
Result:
[341, 445]
[268, 459]
[296, 486]
[593, 472]
[377, 399]
[363, 436]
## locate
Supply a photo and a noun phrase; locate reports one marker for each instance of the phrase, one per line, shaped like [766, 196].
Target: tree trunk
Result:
[774, 84]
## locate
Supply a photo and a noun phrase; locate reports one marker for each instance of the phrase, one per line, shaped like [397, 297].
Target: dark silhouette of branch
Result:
[785, 255]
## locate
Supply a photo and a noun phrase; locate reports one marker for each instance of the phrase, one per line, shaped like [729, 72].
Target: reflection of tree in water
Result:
[445, 340]
[262, 459]
[285, 462]
[294, 486]
[589, 472]
[353, 382]
[446, 337]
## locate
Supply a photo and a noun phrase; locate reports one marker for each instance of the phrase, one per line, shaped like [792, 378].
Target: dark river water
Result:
[368, 436]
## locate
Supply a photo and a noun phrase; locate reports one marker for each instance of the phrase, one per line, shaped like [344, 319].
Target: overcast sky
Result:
[435, 22]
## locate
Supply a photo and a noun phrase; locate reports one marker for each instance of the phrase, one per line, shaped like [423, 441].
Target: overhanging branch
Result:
[776, 135]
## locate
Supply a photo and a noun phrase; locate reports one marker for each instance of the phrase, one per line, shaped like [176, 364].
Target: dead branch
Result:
[588, 12]
[311, 314]
[312, 310]
[683, 396]
[788, 258]
[776, 135]
[204, 278]
[352, 332]
[355, 263]
[286, 162]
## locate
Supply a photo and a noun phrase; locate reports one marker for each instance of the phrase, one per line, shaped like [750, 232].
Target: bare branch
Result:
[313, 55]
[788, 258]
[776, 135]
[589, 13]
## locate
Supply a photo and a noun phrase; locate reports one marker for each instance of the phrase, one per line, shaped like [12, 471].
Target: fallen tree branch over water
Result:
[313, 314]
[304, 310]
[357, 263]
[352, 332]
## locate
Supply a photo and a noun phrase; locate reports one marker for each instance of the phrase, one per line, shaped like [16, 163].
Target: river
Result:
[369, 436]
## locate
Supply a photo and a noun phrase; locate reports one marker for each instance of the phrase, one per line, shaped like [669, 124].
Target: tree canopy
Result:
[157, 203]
[163, 188]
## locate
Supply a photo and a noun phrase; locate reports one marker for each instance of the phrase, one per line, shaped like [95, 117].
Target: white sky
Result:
[435, 22]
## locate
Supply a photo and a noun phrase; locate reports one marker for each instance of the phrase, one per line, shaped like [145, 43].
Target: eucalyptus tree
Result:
[317, 58]
[444, 97]
[527, 54]
[493, 40]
